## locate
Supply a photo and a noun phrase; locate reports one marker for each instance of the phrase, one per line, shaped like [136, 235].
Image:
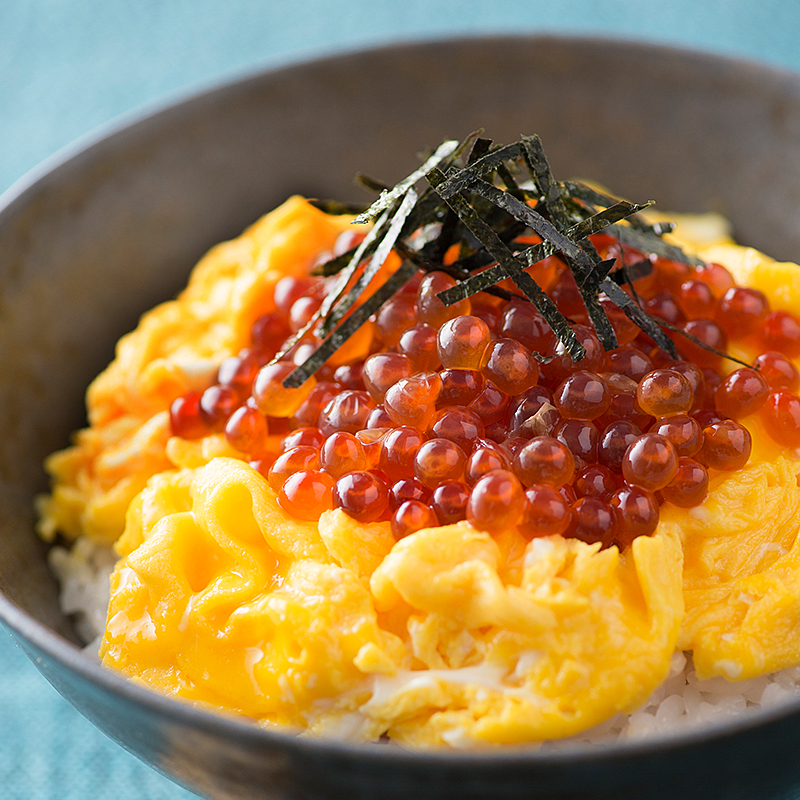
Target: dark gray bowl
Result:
[99, 236]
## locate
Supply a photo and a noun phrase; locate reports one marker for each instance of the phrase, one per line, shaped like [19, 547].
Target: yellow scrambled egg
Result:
[448, 637]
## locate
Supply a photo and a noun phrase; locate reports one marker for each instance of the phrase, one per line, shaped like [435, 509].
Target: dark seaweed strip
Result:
[375, 263]
[537, 252]
[345, 276]
[594, 197]
[650, 243]
[628, 274]
[635, 313]
[370, 184]
[387, 198]
[349, 326]
[334, 265]
[337, 209]
[457, 182]
[669, 326]
[479, 150]
[581, 262]
[494, 245]
[539, 166]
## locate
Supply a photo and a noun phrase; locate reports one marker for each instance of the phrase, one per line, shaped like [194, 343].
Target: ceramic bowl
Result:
[101, 234]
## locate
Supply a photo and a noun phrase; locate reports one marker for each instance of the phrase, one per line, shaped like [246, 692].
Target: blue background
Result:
[68, 66]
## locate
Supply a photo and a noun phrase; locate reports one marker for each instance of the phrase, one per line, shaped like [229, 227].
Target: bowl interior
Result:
[107, 232]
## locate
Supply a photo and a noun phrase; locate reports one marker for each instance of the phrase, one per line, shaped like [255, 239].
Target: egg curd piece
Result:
[222, 600]
[585, 635]
[177, 347]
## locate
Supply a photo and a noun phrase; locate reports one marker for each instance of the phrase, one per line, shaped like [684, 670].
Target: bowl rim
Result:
[26, 628]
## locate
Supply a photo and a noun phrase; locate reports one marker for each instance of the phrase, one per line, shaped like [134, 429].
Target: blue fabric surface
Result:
[67, 66]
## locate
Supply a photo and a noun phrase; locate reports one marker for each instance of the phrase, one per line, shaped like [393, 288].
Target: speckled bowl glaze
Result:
[98, 235]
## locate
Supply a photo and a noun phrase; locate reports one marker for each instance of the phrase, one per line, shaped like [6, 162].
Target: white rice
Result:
[681, 702]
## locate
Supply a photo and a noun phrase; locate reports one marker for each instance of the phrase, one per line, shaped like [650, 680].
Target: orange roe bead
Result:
[546, 512]
[781, 332]
[491, 404]
[741, 393]
[306, 494]
[449, 502]
[430, 309]
[294, 460]
[650, 462]
[399, 448]
[384, 370]
[419, 345]
[521, 321]
[778, 371]
[302, 310]
[361, 495]
[726, 445]
[185, 419]
[689, 487]
[459, 425]
[347, 411]
[530, 405]
[696, 299]
[303, 437]
[246, 430]
[708, 332]
[462, 343]
[484, 459]
[595, 480]
[781, 415]
[408, 489]
[342, 453]
[308, 413]
[269, 331]
[288, 290]
[396, 316]
[351, 376]
[582, 395]
[663, 306]
[371, 440]
[592, 520]
[624, 404]
[412, 516]
[614, 442]
[378, 418]
[562, 364]
[239, 372]
[683, 431]
[741, 310]
[459, 386]
[274, 399]
[412, 401]
[718, 279]
[496, 501]
[580, 436]
[544, 460]
[694, 375]
[510, 366]
[217, 403]
[439, 460]
[664, 392]
[637, 514]
[629, 361]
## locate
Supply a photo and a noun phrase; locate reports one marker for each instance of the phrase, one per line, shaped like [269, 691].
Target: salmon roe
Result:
[475, 412]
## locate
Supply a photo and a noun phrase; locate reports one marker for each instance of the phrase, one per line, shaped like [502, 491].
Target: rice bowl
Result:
[771, 762]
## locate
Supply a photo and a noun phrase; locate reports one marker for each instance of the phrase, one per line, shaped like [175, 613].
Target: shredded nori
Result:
[481, 201]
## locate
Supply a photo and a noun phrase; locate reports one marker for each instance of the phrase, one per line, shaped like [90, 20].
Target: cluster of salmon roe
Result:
[432, 414]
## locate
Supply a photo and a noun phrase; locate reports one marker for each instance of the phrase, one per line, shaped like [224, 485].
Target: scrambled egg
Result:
[448, 637]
